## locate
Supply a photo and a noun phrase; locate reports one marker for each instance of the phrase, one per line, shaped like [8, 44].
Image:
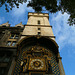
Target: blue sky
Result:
[65, 34]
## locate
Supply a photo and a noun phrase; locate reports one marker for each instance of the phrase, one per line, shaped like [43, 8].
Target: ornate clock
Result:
[37, 64]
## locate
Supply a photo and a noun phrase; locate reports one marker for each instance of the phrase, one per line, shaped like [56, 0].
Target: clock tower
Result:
[37, 50]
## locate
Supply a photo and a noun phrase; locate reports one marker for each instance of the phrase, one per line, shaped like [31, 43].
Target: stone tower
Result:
[36, 51]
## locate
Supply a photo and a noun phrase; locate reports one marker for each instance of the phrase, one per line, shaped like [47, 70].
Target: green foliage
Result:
[50, 5]
[69, 7]
[9, 4]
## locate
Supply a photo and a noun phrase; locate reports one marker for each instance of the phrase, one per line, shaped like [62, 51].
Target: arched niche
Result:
[41, 41]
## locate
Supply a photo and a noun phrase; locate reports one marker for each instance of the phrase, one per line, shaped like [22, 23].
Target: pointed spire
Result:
[21, 22]
[19, 25]
[6, 24]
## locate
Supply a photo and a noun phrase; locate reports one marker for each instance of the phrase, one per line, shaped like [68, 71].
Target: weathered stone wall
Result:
[32, 25]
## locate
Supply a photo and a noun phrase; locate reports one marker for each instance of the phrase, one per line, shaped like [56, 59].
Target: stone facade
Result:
[29, 49]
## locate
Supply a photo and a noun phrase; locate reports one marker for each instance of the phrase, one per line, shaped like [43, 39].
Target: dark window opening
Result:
[8, 43]
[5, 56]
[14, 42]
[16, 37]
[39, 33]
[39, 29]
[38, 21]
[2, 70]
[12, 36]
[5, 61]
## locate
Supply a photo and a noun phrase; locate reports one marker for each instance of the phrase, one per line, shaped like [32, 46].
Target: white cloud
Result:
[64, 33]
[21, 10]
[20, 14]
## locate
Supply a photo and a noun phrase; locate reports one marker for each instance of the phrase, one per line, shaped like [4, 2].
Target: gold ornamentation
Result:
[37, 64]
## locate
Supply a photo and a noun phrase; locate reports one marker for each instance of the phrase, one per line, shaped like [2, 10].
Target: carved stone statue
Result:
[24, 65]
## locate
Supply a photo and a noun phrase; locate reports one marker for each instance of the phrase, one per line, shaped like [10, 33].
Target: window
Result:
[12, 36]
[14, 42]
[4, 58]
[5, 61]
[39, 22]
[38, 28]
[8, 43]
[16, 37]
[39, 33]
[2, 70]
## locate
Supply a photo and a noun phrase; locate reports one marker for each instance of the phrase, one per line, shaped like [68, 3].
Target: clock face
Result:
[37, 64]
